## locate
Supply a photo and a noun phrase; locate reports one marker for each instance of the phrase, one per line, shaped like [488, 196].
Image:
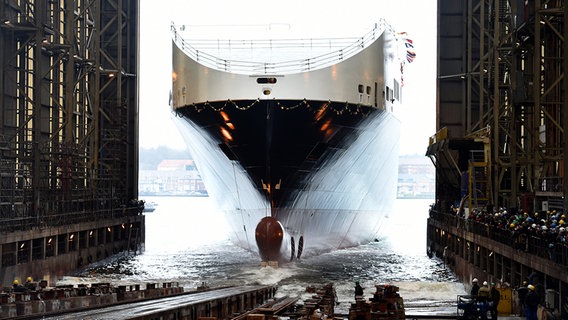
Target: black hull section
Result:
[280, 144]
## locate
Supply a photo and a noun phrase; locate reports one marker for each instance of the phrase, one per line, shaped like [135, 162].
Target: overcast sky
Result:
[307, 18]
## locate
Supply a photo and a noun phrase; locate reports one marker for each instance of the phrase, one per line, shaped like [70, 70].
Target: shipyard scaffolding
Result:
[510, 85]
[500, 145]
[68, 134]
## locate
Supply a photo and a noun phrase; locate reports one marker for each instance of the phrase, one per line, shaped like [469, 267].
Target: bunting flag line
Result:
[410, 54]
[408, 44]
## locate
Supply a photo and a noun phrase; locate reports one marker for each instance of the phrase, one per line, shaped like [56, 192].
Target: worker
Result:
[30, 285]
[522, 294]
[483, 296]
[474, 288]
[358, 290]
[484, 293]
[532, 300]
[17, 287]
[495, 297]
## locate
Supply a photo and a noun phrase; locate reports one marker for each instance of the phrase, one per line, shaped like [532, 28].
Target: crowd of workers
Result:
[547, 226]
[485, 298]
[488, 297]
[541, 233]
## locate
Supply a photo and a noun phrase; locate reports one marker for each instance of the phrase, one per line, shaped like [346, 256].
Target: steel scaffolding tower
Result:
[501, 71]
[68, 111]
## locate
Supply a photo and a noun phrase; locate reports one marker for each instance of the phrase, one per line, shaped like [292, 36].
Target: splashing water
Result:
[186, 242]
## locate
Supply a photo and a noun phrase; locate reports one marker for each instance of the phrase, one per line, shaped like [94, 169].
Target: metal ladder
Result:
[478, 187]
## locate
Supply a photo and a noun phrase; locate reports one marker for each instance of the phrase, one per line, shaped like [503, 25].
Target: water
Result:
[186, 241]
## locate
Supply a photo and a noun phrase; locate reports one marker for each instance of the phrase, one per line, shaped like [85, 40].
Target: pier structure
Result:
[147, 301]
[68, 135]
[500, 144]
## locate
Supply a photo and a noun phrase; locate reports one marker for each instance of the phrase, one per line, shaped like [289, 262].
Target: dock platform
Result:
[212, 303]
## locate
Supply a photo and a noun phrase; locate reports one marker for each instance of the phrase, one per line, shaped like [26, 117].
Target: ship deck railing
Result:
[545, 248]
[274, 56]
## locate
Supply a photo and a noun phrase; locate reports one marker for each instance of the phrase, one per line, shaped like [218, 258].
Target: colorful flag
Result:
[410, 56]
[408, 44]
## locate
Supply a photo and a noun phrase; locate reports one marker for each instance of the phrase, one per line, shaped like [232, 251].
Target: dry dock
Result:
[169, 301]
[157, 302]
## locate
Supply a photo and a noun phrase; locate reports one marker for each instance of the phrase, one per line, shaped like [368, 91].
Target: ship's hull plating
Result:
[323, 170]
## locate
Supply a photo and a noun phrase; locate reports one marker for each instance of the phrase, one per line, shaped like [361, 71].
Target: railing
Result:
[551, 184]
[277, 56]
[12, 223]
[538, 246]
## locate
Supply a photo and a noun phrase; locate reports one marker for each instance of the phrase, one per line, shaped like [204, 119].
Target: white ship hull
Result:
[301, 162]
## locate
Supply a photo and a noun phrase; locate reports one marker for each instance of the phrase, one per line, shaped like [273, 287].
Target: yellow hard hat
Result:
[16, 282]
[29, 279]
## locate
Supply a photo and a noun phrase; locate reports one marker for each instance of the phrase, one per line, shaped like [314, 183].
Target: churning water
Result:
[186, 242]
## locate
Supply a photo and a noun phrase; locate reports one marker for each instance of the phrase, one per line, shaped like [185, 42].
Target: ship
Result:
[297, 141]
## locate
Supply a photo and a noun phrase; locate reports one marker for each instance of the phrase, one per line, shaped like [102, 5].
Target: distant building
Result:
[172, 177]
[416, 177]
[176, 165]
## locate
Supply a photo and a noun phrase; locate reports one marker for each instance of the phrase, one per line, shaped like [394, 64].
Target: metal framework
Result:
[510, 84]
[68, 111]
